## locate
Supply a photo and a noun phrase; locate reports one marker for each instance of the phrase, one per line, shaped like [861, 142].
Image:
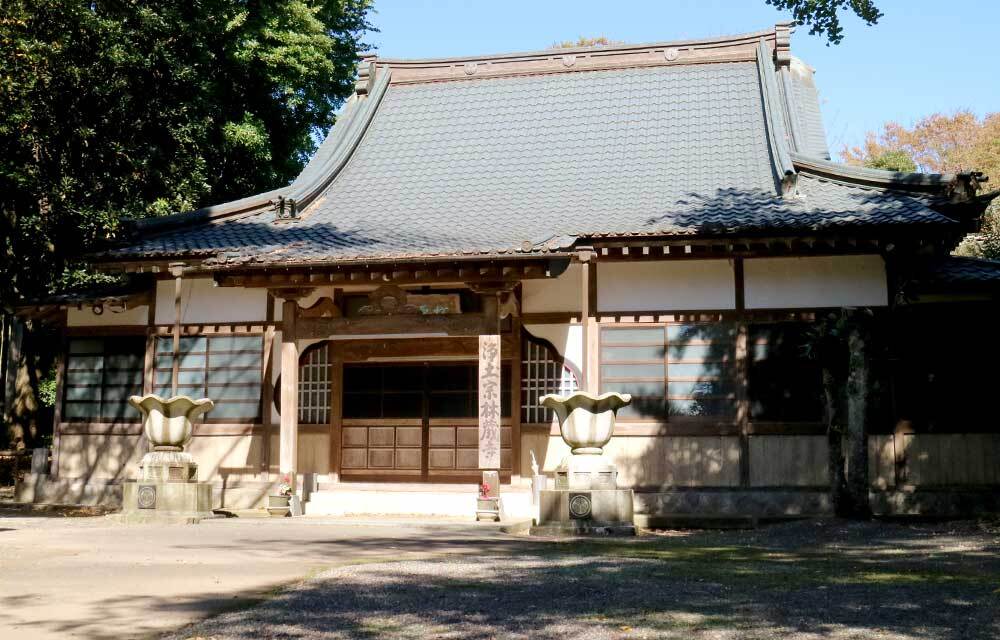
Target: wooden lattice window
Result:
[315, 372]
[225, 368]
[543, 371]
[676, 370]
[101, 374]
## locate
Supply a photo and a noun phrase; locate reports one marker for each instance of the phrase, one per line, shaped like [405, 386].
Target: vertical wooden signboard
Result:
[489, 402]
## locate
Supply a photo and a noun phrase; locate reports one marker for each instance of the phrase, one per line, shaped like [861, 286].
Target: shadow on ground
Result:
[805, 580]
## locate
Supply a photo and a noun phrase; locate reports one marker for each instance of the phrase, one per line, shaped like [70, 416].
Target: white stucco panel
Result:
[85, 317]
[824, 281]
[202, 302]
[566, 338]
[556, 294]
[680, 285]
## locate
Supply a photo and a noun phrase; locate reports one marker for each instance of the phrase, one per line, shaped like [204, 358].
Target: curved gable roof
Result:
[528, 152]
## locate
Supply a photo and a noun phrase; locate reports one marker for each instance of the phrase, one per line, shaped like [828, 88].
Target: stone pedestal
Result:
[586, 499]
[578, 512]
[166, 502]
[167, 489]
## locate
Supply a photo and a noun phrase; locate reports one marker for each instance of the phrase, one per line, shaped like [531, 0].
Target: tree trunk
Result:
[29, 420]
[832, 392]
[858, 408]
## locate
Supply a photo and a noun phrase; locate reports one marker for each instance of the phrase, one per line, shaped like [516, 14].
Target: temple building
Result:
[659, 219]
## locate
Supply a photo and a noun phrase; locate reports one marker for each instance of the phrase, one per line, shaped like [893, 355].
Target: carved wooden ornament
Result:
[388, 300]
[322, 308]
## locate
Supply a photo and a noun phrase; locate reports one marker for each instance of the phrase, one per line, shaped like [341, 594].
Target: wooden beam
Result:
[416, 348]
[402, 274]
[447, 324]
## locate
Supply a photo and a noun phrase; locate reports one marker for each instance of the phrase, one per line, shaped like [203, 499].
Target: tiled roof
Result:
[803, 107]
[961, 271]
[503, 164]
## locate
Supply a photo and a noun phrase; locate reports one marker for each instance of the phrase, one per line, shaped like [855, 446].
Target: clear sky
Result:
[923, 56]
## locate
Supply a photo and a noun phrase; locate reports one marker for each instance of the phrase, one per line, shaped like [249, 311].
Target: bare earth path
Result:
[94, 579]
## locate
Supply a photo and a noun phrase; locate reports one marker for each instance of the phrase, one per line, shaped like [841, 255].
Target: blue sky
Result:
[923, 56]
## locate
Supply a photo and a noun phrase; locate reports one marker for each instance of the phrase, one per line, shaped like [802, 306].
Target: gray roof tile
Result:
[483, 165]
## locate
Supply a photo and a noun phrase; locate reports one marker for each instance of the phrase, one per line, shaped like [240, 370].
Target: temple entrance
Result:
[416, 422]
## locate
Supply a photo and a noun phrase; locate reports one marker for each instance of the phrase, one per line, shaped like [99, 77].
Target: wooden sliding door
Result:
[412, 422]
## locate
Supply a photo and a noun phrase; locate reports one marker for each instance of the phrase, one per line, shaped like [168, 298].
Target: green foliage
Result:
[47, 389]
[116, 110]
[892, 160]
[822, 15]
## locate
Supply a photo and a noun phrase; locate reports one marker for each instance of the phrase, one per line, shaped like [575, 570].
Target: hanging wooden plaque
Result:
[489, 402]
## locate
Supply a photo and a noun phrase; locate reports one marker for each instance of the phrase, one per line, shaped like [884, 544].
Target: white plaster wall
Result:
[824, 281]
[566, 338]
[556, 294]
[84, 317]
[679, 285]
[202, 302]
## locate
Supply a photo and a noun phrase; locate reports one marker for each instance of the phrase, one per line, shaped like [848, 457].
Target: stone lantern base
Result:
[585, 501]
[167, 491]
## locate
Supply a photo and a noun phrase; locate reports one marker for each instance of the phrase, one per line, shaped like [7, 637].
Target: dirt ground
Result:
[805, 580]
[89, 577]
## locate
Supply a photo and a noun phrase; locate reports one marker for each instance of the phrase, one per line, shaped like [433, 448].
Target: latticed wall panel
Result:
[543, 371]
[314, 386]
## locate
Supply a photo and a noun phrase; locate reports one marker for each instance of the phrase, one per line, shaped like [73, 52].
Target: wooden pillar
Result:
[267, 395]
[742, 399]
[176, 270]
[289, 437]
[336, 409]
[515, 401]
[588, 318]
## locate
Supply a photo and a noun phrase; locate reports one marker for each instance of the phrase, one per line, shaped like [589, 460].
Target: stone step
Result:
[409, 500]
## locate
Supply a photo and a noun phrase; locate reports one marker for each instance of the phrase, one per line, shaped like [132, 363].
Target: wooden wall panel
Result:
[881, 461]
[661, 461]
[789, 461]
[952, 459]
[314, 453]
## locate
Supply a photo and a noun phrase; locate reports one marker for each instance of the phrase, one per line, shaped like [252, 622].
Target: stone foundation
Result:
[181, 502]
[43, 489]
[585, 512]
[735, 503]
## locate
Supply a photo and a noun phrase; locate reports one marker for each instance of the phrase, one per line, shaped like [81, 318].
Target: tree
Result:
[942, 143]
[822, 16]
[844, 344]
[892, 161]
[112, 110]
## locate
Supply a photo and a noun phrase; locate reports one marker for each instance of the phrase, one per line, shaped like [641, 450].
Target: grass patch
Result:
[782, 570]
